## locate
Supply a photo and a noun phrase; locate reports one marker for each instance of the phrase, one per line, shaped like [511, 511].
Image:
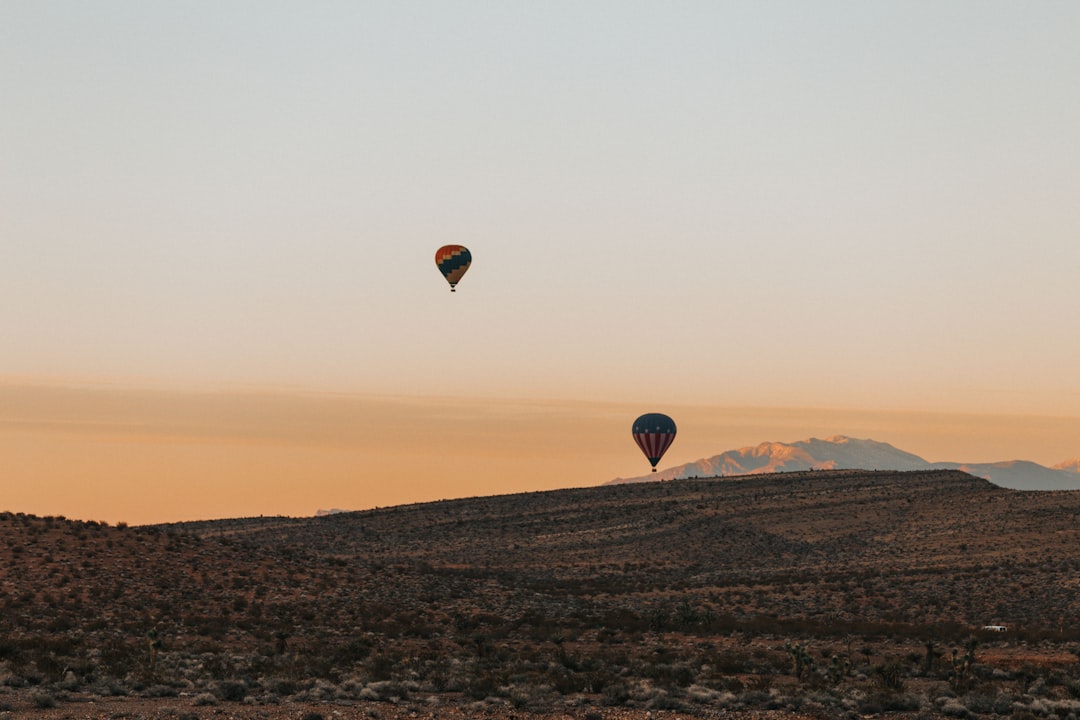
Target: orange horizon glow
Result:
[142, 455]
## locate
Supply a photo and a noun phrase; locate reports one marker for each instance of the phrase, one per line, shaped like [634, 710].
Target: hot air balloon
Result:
[654, 433]
[453, 261]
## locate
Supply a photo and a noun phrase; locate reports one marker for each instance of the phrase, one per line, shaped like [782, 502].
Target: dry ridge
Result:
[820, 593]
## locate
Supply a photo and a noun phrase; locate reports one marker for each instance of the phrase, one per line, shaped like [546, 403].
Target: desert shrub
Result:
[873, 704]
[27, 676]
[1006, 704]
[568, 683]
[962, 671]
[388, 689]
[730, 684]
[755, 698]
[954, 708]
[42, 699]
[890, 675]
[703, 694]
[12, 680]
[381, 665]
[231, 690]
[615, 694]
[666, 701]
[670, 675]
[526, 696]
[159, 691]
[352, 651]
[284, 687]
[986, 704]
[9, 650]
[322, 690]
[598, 680]
[203, 699]
[483, 685]
[896, 702]
[732, 663]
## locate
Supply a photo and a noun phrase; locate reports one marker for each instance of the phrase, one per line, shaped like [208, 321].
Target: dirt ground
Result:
[21, 705]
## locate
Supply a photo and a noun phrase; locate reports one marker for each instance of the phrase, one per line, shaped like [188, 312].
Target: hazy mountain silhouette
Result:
[844, 453]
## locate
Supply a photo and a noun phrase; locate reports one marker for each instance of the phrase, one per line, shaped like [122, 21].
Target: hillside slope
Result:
[624, 594]
[887, 533]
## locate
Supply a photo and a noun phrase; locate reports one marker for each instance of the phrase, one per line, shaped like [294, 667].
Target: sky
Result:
[772, 220]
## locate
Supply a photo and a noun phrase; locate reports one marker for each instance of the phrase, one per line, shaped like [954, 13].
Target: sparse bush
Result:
[41, 699]
[231, 691]
[802, 662]
[388, 690]
[982, 703]
[352, 651]
[615, 694]
[732, 662]
[203, 699]
[962, 671]
[954, 708]
[755, 698]
[283, 686]
[381, 666]
[666, 701]
[899, 702]
[891, 675]
[526, 696]
[671, 675]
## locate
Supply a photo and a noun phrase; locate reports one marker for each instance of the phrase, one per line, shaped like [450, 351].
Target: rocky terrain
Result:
[812, 594]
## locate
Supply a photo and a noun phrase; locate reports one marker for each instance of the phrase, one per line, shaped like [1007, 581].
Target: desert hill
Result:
[705, 541]
[550, 595]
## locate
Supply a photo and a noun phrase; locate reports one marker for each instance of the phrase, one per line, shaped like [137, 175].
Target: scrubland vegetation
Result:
[820, 594]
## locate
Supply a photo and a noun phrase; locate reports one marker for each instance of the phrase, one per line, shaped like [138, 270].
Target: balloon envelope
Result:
[654, 433]
[453, 261]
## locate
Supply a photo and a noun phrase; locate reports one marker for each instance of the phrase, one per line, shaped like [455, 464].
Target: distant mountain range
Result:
[844, 453]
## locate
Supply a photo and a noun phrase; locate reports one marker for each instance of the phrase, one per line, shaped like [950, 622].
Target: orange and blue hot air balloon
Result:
[654, 433]
[453, 261]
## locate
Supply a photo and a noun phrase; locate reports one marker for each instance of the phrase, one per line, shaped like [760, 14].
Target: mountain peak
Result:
[841, 452]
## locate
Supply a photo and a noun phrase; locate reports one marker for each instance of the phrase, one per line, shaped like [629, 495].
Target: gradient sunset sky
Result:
[771, 220]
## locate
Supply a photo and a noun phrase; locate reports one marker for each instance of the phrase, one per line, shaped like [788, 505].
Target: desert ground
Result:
[795, 595]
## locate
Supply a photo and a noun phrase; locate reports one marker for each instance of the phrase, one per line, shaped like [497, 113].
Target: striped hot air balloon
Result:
[453, 261]
[654, 433]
